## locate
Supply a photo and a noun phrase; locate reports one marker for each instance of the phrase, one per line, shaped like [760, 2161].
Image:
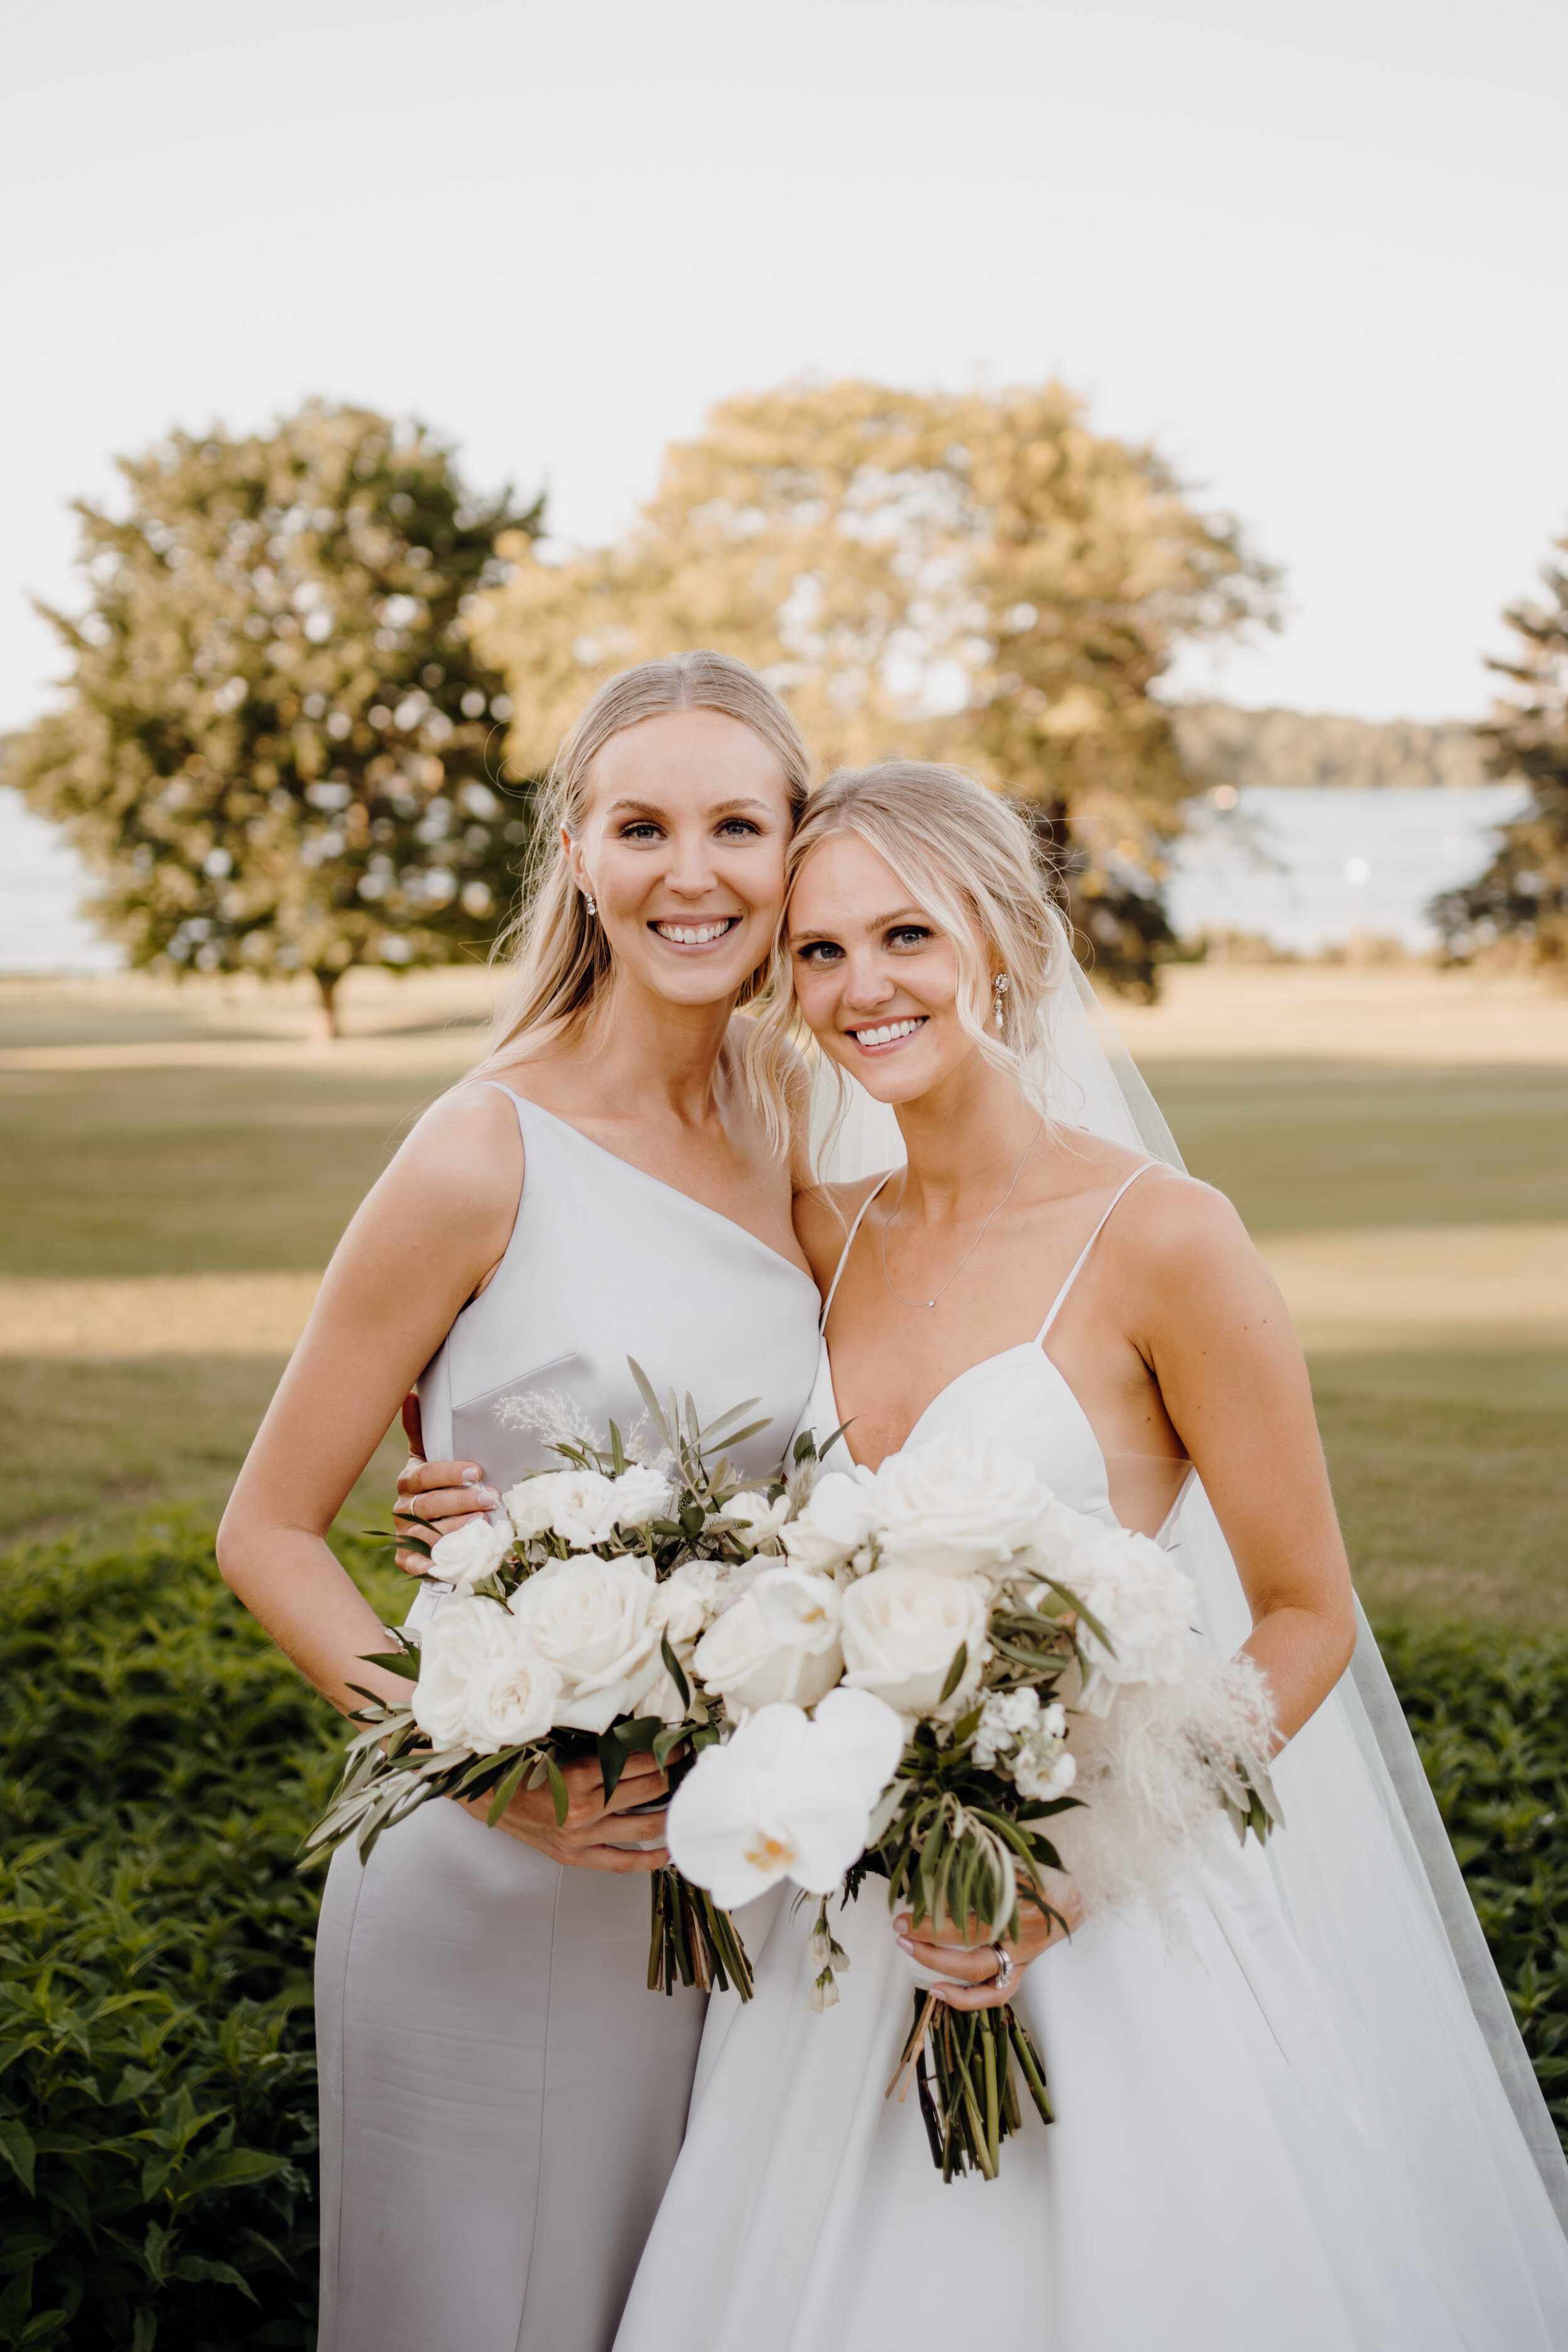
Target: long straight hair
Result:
[562, 967]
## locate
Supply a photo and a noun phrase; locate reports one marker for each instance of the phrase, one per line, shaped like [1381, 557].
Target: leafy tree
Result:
[1524, 894]
[277, 736]
[967, 576]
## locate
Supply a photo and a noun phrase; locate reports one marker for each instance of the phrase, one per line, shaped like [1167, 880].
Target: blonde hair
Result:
[561, 964]
[973, 861]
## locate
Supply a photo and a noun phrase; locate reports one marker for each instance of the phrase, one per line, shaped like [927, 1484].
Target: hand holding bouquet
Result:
[569, 1635]
[967, 1626]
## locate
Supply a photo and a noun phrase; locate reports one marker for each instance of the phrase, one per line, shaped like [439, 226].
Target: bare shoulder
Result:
[462, 1165]
[1185, 1248]
[823, 1214]
[1170, 1213]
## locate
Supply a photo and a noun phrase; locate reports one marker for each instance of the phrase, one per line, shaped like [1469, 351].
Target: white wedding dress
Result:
[1238, 2164]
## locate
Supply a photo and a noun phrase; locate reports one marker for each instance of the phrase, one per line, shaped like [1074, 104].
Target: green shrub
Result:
[1490, 1712]
[159, 1761]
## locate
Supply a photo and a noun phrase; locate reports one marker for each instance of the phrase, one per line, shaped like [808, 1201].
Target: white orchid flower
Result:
[777, 1802]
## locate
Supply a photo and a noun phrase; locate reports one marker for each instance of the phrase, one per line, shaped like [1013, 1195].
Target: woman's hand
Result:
[594, 1836]
[968, 1962]
[436, 1497]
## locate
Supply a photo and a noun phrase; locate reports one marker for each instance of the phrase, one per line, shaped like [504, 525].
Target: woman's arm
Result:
[424, 1240]
[1214, 1331]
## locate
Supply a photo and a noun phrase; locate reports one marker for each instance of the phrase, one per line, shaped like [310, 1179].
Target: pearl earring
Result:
[589, 903]
[999, 988]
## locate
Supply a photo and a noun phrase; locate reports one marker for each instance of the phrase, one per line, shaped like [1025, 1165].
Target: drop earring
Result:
[999, 988]
[589, 902]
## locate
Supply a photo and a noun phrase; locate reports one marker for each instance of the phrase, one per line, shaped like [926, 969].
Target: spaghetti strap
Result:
[1060, 1300]
[843, 1253]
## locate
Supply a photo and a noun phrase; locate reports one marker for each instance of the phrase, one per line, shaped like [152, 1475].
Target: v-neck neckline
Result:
[1022, 1347]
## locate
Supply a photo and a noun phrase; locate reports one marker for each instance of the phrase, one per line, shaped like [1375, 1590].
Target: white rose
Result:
[592, 1620]
[470, 1553]
[957, 1503]
[578, 1506]
[511, 1699]
[840, 1514]
[464, 1637]
[902, 1630]
[774, 1801]
[781, 1642]
[640, 1494]
[761, 1519]
[1145, 1604]
[682, 1605]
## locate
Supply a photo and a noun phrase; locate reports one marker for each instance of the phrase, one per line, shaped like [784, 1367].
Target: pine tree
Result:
[1524, 894]
[278, 744]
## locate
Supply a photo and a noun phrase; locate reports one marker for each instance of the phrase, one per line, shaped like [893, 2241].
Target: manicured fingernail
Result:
[489, 1495]
[905, 1943]
[470, 1474]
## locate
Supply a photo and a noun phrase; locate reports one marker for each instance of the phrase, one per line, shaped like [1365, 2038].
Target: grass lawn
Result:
[1451, 1477]
[100, 1445]
[1300, 1146]
[1446, 1467]
[190, 1171]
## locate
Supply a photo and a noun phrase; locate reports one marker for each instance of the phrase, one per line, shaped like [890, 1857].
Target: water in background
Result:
[1306, 868]
[1302, 867]
[41, 883]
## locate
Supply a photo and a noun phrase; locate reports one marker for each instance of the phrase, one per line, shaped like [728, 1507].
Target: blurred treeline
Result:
[318, 678]
[1222, 745]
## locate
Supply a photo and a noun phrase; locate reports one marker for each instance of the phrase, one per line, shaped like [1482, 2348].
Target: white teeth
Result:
[887, 1035]
[693, 935]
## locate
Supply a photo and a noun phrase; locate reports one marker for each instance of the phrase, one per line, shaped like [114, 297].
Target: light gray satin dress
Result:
[502, 2098]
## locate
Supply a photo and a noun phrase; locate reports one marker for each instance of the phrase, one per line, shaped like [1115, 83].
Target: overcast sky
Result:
[1313, 251]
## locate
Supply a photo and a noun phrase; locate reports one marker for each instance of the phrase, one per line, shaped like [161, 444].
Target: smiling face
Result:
[875, 977]
[682, 847]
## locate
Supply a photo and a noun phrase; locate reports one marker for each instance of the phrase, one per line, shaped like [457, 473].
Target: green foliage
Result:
[158, 1764]
[276, 736]
[1490, 1713]
[1524, 894]
[158, 1761]
[967, 576]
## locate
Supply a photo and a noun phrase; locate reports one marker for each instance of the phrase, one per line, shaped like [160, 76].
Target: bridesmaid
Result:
[502, 2100]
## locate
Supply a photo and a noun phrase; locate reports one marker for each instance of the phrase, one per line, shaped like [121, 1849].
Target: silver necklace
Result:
[974, 1245]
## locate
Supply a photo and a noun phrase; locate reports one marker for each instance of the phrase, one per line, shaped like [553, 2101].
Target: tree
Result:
[1524, 894]
[968, 576]
[278, 736]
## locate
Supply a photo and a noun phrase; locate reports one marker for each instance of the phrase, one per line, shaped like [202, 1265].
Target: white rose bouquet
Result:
[573, 1627]
[981, 1660]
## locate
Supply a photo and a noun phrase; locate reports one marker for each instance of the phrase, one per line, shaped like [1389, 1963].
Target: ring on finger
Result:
[1005, 1967]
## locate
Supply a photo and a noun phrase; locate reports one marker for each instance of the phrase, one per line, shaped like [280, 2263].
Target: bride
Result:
[1277, 2124]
